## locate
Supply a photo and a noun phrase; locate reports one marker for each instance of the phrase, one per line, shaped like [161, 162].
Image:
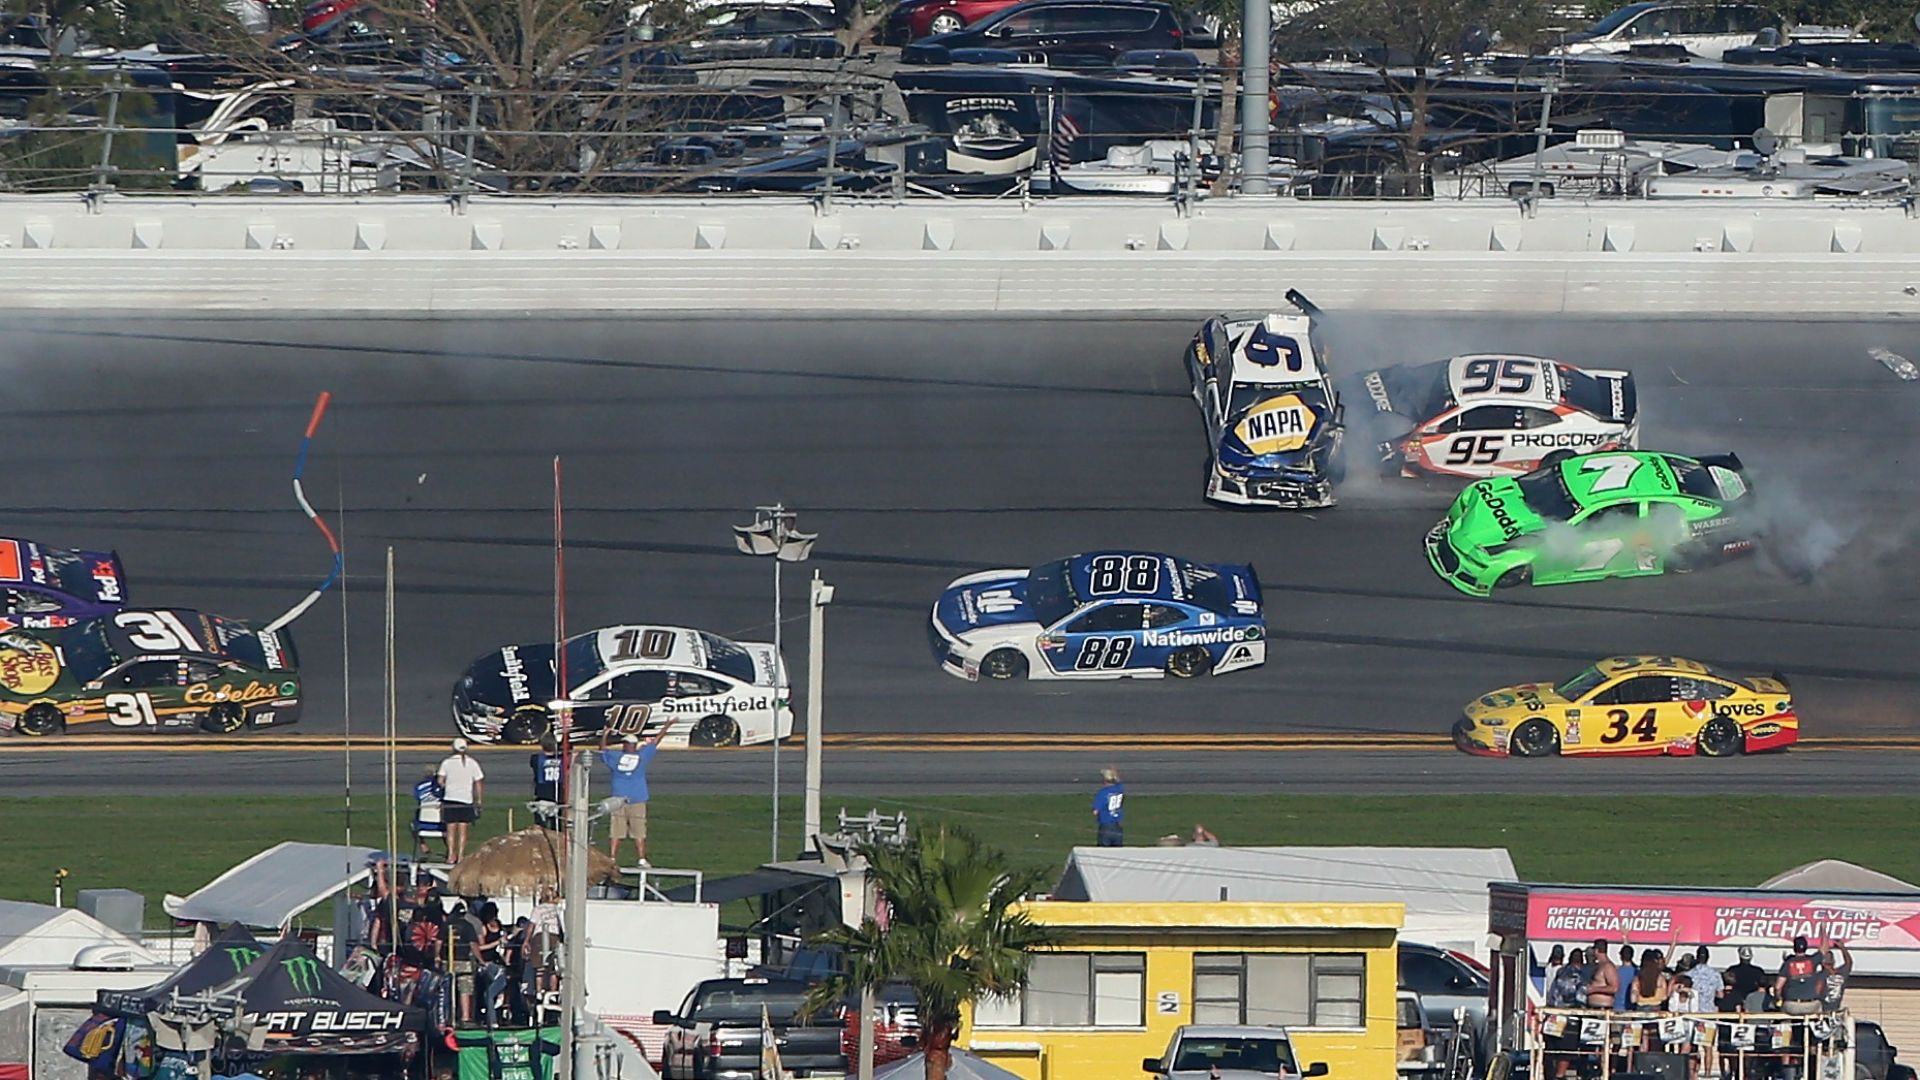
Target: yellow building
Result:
[1125, 975]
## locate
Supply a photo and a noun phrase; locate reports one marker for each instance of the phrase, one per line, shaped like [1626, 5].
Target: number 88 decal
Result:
[1104, 653]
[1114, 573]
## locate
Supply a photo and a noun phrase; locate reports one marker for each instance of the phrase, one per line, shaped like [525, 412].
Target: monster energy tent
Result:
[294, 1004]
[226, 958]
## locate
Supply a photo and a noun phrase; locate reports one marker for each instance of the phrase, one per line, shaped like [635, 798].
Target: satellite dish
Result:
[1765, 141]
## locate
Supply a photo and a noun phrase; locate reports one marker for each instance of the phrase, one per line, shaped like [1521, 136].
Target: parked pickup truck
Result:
[1222, 1052]
[715, 1035]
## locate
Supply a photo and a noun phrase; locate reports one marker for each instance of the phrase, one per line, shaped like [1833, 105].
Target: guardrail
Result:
[429, 255]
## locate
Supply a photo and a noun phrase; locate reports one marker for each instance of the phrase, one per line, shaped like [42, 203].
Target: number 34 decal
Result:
[1644, 729]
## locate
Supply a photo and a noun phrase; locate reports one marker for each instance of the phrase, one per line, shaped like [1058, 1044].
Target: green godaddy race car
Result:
[1592, 516]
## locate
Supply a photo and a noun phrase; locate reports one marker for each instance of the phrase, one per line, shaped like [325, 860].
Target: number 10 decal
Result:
[1102, 653]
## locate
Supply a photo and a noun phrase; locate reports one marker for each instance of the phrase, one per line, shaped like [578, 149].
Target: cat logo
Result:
[1276, 425]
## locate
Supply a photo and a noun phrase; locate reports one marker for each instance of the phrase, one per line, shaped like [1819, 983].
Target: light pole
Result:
[819, 595]
[773, 534]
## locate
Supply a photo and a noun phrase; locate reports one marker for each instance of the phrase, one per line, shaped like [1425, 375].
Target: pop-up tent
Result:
[229, 955]
[294, 1004]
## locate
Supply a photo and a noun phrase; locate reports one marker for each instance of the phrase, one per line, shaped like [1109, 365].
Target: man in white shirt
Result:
[462, 783]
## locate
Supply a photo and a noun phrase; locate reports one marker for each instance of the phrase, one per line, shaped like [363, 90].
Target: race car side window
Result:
[202, 671]
[1538, 418]
[1689, 689]
[1640, 690]
[1120, 615]
[1159, 615]
[688, 684]
[147, 673]
[1448, 426]
[636, 686]
[1490, 418]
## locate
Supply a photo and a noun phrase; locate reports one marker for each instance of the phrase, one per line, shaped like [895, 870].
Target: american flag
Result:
[1065, 130]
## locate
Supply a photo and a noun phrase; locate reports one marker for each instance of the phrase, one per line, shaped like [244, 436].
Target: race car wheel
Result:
[1188, 662]
[224, 718]
[1535, 738]
[714, 731]
[1519, 575]
[525, 726]
[1003, 664]
[42, 719]
[946, 23]
[1721, 737]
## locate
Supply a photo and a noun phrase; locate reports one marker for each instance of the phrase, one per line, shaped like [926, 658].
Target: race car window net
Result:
[87, 651]
[1580, 685]
[1049, 593]
[1546, 493]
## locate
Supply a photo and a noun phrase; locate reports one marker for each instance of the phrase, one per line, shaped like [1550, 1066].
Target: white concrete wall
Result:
[424, 255]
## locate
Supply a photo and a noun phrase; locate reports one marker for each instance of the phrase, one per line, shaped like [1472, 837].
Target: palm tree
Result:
[951, 932]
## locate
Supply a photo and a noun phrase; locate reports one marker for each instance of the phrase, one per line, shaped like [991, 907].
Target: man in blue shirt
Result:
[546, 780]
[1107, 810]
[629, 767]
[1623, 997]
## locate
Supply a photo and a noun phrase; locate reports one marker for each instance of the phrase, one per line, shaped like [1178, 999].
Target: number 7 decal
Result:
[1616, 470]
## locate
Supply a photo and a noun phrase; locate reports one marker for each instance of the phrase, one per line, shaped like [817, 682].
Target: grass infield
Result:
[176, 844]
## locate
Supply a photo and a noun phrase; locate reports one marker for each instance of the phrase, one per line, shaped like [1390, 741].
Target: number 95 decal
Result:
[1474, 449]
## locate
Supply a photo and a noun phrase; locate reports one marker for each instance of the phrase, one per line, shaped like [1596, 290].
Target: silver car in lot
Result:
[1229, 1052]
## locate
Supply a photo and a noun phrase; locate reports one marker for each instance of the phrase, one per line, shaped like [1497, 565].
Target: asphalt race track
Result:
[921, 450]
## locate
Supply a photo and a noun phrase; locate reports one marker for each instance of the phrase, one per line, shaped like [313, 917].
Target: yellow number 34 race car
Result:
[1633, 705]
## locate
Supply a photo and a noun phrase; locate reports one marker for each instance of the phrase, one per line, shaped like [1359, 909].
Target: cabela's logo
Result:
[208, 694]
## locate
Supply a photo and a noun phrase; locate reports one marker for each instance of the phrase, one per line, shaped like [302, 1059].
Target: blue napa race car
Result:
[1273, 420]
[1106, 615]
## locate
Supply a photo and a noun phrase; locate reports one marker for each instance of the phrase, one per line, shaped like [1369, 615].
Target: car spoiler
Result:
[1728, 460]
[1307, 307]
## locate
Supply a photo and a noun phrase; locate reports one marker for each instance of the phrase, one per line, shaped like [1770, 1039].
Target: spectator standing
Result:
[1604, 985]
[1108, 810]
[629, 766]
[1203, 838]
[1800, 983]
[1743, 979]
[1623, 1000]
[1683, 998]
[545, 763]
[1837, 976]
[1567, 987]
[1651, 984]
[462, 784]
[427, 824]
[1707, 983]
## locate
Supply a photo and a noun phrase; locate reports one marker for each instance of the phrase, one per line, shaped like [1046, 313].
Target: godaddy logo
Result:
[305, 973]
[242, 956]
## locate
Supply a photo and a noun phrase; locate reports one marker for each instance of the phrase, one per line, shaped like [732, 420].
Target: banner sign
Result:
[1722, 920]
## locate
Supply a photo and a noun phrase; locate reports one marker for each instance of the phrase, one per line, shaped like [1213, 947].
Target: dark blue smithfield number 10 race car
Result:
[1107, 615]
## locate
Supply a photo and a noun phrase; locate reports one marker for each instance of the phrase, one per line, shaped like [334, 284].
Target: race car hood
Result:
[1280, 431]
[984, 600]
[1521, 700]
[511, 677]
[1490, 513]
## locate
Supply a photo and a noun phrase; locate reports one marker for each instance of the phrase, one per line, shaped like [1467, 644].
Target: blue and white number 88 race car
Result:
[1106, 615]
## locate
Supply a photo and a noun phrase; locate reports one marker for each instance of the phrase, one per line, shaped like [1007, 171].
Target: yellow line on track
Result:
[892, 742]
